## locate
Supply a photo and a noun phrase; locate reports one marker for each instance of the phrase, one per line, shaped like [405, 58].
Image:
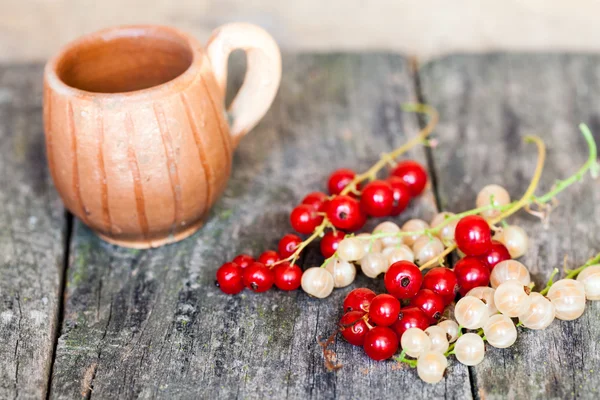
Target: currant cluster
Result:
[345, 209]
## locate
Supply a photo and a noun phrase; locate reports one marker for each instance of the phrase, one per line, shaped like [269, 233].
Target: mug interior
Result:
[126, 60]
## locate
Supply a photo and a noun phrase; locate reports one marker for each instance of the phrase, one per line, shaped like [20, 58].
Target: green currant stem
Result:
[591, 165]
[385, 158]
[402, 358]
[572, 274]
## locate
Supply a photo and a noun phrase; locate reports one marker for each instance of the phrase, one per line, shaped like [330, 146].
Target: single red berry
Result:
[377, 199]
[353, 327]
[358, 299]
[402, 195]
[268, 258]
[410, 317]
[360, 222]
[243, 260]
[304, 219]
[287, 277]
[316, 200]
[473, 235]
[230, 278]
[288, 245]
[432, 304]
[403, 279]
[384, 309]
[497, 253]
[471, 273]
[442, 281]
[339, 179]
[344, 212]
[258, 277]
[380, 343]
[413, 174]
[330, 241]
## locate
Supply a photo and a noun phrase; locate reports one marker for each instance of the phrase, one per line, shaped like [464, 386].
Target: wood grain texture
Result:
[488, 103]
[150, 324]
[32, 228]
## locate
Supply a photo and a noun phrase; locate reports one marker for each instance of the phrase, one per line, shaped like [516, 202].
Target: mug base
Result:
[149, 244]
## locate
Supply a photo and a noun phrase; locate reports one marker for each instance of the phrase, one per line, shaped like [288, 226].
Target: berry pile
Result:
[428, 315]
[345, 209]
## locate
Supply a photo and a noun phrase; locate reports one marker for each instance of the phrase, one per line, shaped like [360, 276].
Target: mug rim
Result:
[177, 84]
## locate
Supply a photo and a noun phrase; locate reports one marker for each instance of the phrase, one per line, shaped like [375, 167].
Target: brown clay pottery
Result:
[137, 139]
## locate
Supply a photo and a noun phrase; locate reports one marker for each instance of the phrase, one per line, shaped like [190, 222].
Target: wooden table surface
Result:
[81, 318]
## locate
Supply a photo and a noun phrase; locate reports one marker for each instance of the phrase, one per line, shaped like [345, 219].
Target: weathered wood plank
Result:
[32, 228]
[149, 324]
[488, 103]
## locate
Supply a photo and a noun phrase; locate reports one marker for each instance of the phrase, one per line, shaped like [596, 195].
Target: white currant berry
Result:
[398, 253]
[439, 340]
[507, 270]
[446, 234]
[540, 313]
[342, 271]
[414, 225]
[485, 294]
[568, 297]
[427, 248]
[414, 342]
[431, 366]
[374, 264]
[500, 331]
[390, 228]
[471, 312]
[351, 249]
[515, 239]
[317, 282]
[511, 298]
[469, 349]
[484, 198]
[590, 277]
[371, 245]
[451, 329]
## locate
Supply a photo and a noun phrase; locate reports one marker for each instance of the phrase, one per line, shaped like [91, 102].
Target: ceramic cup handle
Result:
[263, 72]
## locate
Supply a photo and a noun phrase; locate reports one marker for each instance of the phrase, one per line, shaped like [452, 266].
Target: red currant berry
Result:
[384, 310]
[359, 300]
[403, 279]
[471, 273]
[316, 200]
[381, 343]
[287, 277]
[497, 253]
[288, 245]
[413, 174]
[442, 281]
[410, 317]
[432, 304]
[330, 241]
[344, 212]
[402, 195]
[230, 278]
[360, 222]
[339, 179]
[243, 260]
[473, 235]
[304, 219]
[268, 258]
[377, 199]
[258, 277]
[353, 327]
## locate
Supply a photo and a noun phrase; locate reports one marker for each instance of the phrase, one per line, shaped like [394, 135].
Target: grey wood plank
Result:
[488, 103]
[32, 244]
[149, 324]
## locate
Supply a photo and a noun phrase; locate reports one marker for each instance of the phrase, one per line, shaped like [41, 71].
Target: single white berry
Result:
[469, 349]
[431, 366]
[500, 331]
[511, 298]
[470, 312]
[414, 225]
[388, 227]
[515, 239]
[484, 198]
[590, 277]
[451, 329]
[342, 271]
[539, 314]
[317, 282]
[568, 297]
[398, 253]
[351, 249]
[427, 248]
[439, 339]
[374, 264]
[507, 270]
[414, 342]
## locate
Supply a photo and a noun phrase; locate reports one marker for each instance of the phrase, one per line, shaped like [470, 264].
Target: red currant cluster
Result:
[346, 209]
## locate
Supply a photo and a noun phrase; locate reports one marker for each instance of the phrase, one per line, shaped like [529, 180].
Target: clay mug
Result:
[137, 138]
